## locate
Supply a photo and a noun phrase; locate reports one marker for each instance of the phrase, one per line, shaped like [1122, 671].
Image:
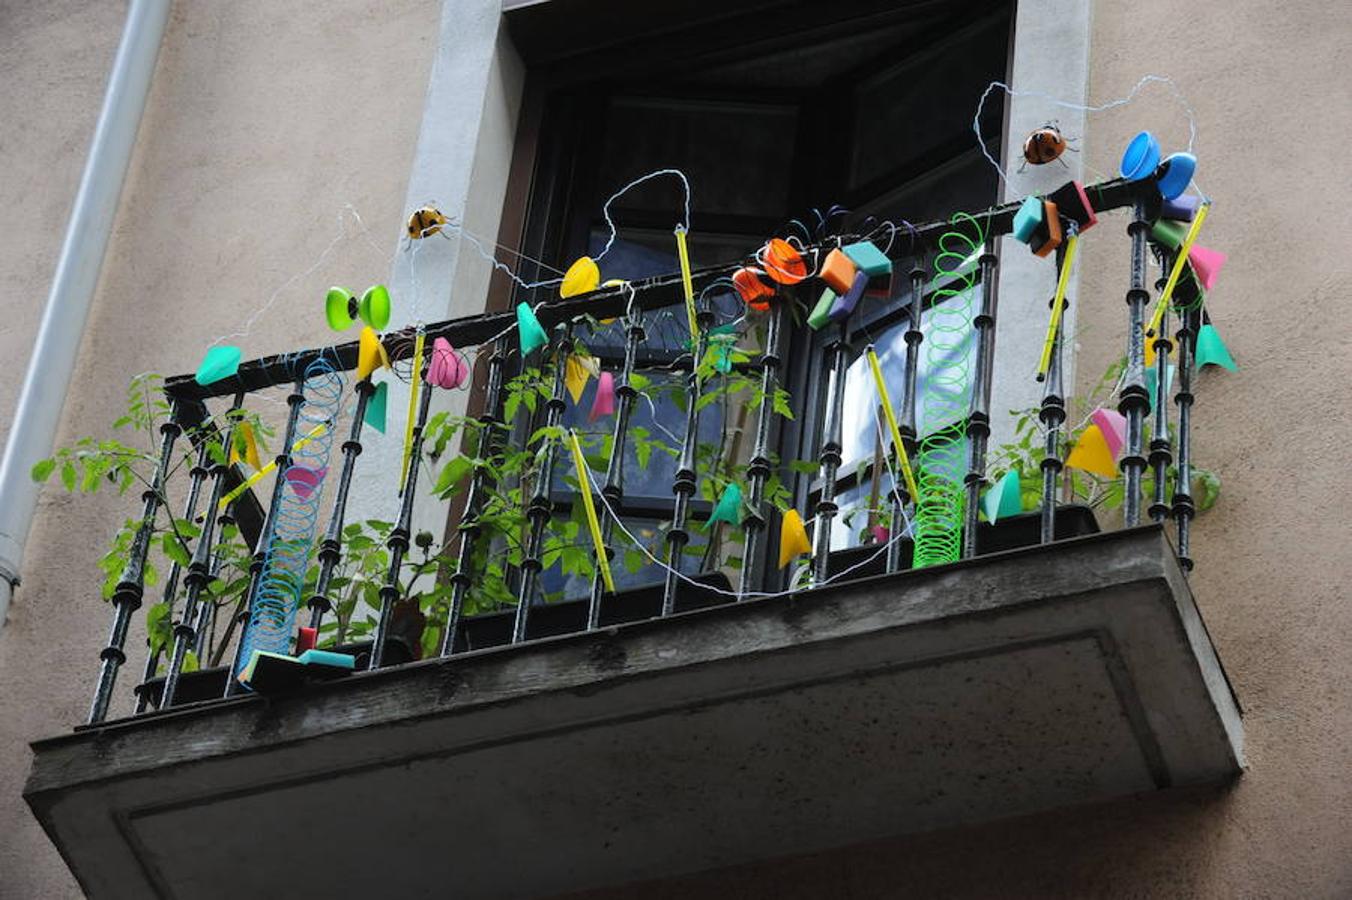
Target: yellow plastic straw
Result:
[1054, 324]
[1179, 260]
[258, 476]
[892, 425]
[412, 405]
[584, 487]
[688, 284]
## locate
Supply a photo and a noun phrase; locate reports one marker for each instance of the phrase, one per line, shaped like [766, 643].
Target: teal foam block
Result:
[1027, 219]
[868, 258]
[327, 658]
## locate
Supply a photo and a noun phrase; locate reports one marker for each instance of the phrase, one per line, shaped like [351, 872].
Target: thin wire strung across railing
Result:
[272, 616]
[948, 355]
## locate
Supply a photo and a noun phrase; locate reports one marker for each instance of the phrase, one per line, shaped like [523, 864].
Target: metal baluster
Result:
[331, 548]
[758, 470]
[1161, 446]
[979, 420]
[614, 487]
[131, 583]
[1184, 510]
[684, 484]
[914, 337]
[1135, 399]
[829, 456]
[196, 475]
[199, 573]
[479, 482]
[283, 460]
[540, 508]
[397, 542]
[1052, 415]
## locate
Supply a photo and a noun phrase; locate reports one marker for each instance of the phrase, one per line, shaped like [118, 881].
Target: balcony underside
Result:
[1017, 682]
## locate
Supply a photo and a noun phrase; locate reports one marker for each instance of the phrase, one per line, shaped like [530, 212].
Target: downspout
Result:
[43, 395]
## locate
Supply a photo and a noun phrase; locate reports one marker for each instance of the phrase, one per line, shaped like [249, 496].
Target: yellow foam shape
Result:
[370, 354]
[582, 277]
[792, 538]
[1092, 454]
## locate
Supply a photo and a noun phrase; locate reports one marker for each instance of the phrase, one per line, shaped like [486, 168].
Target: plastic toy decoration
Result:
[376, 407]
[729, 507]
[755, 293]
[1092, 454]
[1175, 174]
[342, 308]
[881, 534]
[838, 271]
[1073, 203]
[1211, 350]
[425, 222]
[575, 376]
[306, 638]
[446, 369]
[244, 448]
[218, 364]
[604, 402]
[314, 434]
[793, 540]
[1004, 499]
[782, 261]
[868, 258]
[821, 313]
[846, 302]
[530, 333]
[584, 489]
[1180, 259]
[1141, 157]
[1113, 425]
[1180, 209]
[370, 354]
[1045, 145]
[1206, 265]
[1152, 387]
[1058, 303]
[304, 481]
[582, 277]
[1027, 219]
[1049, 234]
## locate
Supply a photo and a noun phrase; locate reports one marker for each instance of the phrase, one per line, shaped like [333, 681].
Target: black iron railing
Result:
[632, 303]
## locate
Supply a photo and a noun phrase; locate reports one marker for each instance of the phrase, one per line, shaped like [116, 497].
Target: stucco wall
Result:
[264, 122]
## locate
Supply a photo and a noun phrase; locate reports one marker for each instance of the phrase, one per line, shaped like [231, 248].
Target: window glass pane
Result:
[555, 585]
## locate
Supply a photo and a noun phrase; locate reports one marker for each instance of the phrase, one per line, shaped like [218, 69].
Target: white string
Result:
[1066, 104]
[610, 223]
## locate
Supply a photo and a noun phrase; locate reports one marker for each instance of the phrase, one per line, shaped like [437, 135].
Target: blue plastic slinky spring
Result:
[291, 533]
[942, 457]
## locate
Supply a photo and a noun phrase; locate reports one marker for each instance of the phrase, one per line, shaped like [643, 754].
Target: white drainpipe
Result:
[33, 428]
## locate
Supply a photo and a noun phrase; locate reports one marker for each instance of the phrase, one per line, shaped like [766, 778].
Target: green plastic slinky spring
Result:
[942, 458]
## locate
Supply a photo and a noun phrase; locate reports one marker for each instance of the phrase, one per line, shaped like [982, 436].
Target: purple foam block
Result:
[846, 302]
[1181, 208]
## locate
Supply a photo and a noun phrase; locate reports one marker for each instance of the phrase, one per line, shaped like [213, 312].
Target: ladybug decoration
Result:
[1045, 145]
[424, 222]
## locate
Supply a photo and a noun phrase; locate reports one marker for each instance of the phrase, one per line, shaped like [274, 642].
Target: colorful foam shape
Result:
[1004, 498]
[1027, 219]
[821, 313]
[575, 377]
[1206, 264]
[313, 657]
[1211, 350]
[1181, 208]
[582, 277]
[376, 407]
[1141, 157]
[1073, 203]
[1092, 454]
[729, 507]
[1151, 354]
[370, 353]
[869, 259]
[218, 364]
[530, 332]
[837, 271]
[1114, 427]
[1175, 174]
[846, 302]
[793, 540]
[304, 480]
[374, 308]
[604, 402]
[783, 263]
[753, 290]
[305, 639]
[1151, 384]
[1168, 233]
[244, 447]
[881, 534]
[446, 369]
[339, 307]
[1050, 232]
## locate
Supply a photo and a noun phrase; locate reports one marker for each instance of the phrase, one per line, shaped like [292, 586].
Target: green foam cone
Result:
[219, 363]
[1211, 350]
[529, 330]
[729, 507]
[1004, 498]
[376, 406]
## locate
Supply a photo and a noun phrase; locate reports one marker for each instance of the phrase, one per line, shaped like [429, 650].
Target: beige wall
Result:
[265, 121]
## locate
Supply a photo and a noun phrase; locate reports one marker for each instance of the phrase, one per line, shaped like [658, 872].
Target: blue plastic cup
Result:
[1176, 174]
[1141, 157]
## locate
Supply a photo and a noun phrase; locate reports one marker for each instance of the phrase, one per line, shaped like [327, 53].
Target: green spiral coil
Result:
[942, 457]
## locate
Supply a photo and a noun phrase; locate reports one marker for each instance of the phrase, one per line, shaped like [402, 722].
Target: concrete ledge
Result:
[1017, 682]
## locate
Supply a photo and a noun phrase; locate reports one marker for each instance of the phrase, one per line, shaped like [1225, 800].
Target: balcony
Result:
[715, 715]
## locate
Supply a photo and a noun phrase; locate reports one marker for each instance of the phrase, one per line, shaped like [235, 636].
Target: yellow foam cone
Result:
[575, 377]
[1092, 454]
[370, 354]
[244, 438]
[792, 538]
[582, 277]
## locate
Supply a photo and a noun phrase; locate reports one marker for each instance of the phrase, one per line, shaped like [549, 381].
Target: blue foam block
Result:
[868, 258]
[847, 301]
